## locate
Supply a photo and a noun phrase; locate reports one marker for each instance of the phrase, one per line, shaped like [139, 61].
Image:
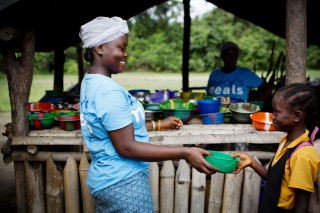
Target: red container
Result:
[69, 122]
[40, 107]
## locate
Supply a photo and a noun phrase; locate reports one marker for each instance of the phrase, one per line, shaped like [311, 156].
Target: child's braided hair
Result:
[302, 97]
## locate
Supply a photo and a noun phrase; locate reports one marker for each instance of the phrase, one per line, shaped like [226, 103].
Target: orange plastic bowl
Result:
[262, 121]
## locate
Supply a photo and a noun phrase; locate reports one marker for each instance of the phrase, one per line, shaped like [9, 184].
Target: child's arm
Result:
[247, 160]
[302, 200]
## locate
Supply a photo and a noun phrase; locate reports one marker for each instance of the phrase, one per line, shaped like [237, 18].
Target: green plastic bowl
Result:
[222, 161]
[152, 107]
[177, 104]
[44, 120]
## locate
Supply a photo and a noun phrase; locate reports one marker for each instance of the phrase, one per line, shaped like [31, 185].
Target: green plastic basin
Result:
[222, 161]
[177, 104]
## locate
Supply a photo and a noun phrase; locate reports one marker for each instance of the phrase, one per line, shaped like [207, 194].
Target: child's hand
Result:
[245, 160]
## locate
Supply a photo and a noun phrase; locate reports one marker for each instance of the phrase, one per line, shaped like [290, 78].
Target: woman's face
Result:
[115, 54]
[283, 116]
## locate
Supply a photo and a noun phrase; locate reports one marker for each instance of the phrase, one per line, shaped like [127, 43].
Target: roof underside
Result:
[57, 22]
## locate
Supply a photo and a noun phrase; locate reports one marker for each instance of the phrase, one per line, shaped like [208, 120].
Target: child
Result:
[289, 186]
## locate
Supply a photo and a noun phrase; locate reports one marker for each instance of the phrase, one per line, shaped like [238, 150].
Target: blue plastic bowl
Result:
[213, 118]
[206, 106]
[134, 91]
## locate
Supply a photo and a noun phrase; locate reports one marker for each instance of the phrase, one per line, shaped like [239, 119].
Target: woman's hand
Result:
[170, 123]
[195, 156]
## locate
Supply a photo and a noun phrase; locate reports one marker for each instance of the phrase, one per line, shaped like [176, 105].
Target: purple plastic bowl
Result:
[157, 97]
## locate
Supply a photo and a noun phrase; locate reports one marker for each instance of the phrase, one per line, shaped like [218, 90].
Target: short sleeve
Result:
[304, 166]
[112, 110]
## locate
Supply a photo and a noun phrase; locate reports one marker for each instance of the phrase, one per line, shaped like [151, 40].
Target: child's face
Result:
[283, 115]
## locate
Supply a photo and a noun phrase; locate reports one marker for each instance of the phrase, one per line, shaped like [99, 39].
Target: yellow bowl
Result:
[192, 95]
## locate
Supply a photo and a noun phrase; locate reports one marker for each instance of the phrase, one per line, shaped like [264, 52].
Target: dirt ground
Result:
[7, 178]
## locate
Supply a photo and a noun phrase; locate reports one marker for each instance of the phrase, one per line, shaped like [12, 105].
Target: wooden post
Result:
[54, 188]
[34, 187]
[19, 74]
[167, 187]
[20, 187]
[198, 190]
[296, 41]
[154, 184]
[232, 192]
[87, 199]
[251, 190]
[182, 187]
[71, 186]
[216, 192]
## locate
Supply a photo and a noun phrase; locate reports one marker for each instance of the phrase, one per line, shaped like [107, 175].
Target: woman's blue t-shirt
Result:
[106, 106]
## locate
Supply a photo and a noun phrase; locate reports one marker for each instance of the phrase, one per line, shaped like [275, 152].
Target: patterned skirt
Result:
[128, 196]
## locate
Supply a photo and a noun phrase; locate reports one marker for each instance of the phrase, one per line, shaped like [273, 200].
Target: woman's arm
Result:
[124, 142]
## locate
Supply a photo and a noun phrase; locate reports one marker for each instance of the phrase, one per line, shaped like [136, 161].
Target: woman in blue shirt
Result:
[113, 126]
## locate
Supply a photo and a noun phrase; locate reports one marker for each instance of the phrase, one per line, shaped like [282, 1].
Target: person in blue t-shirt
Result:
[234, 81]
[114, 129]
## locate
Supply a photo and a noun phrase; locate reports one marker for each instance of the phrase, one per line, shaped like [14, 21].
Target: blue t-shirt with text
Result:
[236, 84]
[107, 106]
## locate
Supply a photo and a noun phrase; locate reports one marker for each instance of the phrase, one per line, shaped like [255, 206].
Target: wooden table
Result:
[187, 135]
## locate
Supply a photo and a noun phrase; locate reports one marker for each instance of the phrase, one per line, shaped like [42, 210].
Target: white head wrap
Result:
[102, 30]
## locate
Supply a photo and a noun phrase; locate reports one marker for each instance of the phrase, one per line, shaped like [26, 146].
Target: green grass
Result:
[129, 80]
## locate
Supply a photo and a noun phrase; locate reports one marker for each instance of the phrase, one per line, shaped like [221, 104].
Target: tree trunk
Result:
[19, 70]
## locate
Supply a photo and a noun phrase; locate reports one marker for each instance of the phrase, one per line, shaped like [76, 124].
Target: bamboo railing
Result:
[54, 181]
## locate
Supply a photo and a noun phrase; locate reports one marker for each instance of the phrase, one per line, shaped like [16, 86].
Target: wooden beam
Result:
[296, 41]
[9, 33]
[186, 46]
[59, 59]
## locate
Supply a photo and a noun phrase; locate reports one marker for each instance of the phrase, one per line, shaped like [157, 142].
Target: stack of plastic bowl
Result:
[209, 110]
